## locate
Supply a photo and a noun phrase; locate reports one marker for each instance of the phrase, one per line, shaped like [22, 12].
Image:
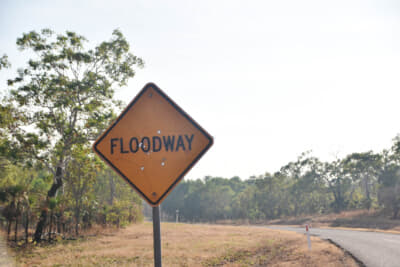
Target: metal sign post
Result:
[157, 236]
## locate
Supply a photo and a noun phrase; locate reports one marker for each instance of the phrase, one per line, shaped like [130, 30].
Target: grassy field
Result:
[189, 245]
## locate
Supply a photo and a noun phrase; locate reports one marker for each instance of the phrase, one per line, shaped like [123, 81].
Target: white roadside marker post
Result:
[308, 238]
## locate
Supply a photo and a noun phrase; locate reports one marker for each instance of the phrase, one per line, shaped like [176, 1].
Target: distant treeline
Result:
[305, 186]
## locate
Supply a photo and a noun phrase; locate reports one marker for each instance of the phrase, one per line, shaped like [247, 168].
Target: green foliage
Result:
[118, 213]
[4, 63]
[364, 169]
[114, 195]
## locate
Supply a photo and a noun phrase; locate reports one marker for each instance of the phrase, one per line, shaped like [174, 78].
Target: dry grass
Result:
[190, 245]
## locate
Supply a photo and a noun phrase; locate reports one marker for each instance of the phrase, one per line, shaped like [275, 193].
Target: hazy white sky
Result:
[268, 79]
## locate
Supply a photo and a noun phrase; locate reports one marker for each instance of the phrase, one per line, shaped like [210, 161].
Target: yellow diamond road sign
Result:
[153, 144]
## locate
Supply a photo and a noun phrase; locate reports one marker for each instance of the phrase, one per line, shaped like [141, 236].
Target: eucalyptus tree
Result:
[307, 187]
[66, 94]
[339, 184]
[364, 168]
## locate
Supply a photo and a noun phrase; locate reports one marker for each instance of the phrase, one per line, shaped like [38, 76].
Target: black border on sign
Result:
[183, 113]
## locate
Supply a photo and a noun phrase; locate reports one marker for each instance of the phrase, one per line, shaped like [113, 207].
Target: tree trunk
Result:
[50, 224]
[26, 227]
[59, 223]
[43, 215]
[395, 213]
[78, 206]
[8, 229]
[112, 190]
[77, 223]
[16, 229]
[367, 192]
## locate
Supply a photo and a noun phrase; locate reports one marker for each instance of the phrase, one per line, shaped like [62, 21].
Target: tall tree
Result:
[338, 183]
[364, 168]
[302, 172]
[66, 93]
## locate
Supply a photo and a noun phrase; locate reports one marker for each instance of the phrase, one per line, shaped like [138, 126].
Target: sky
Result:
[267, 79]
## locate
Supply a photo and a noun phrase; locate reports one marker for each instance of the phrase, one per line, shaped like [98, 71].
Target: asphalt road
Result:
[371, 248]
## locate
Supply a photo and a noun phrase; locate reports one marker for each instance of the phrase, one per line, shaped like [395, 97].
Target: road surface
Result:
[371, 248]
